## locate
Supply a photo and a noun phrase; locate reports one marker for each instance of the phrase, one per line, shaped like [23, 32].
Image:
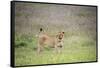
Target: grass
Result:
[77, 48]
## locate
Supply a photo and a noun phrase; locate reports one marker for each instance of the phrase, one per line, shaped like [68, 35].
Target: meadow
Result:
[77, 48]
[78, 23]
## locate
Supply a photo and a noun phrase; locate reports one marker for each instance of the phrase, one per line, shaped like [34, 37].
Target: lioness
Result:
[53, 41]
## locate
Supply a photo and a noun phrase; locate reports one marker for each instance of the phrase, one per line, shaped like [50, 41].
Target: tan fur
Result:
[52, 41]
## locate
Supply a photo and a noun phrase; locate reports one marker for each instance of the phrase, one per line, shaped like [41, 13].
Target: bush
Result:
[21, 40]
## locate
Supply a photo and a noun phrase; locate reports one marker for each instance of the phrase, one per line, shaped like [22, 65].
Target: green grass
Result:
[77, 48]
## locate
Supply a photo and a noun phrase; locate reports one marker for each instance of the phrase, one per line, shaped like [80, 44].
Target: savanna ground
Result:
[78, 23]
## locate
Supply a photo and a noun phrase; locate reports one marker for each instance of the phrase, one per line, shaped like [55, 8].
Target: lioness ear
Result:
[41, 29]
[63, 32]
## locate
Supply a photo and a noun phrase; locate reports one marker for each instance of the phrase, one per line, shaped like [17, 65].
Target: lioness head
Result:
[60, 37]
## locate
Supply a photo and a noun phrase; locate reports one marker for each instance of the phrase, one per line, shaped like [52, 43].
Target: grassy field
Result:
[78, 23]
[77, 48]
